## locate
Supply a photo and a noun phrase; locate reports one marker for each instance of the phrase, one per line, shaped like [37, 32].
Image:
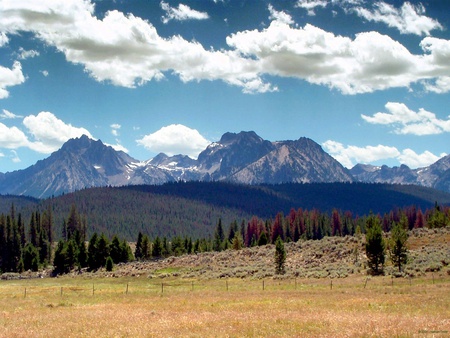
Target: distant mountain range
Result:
[238, 157]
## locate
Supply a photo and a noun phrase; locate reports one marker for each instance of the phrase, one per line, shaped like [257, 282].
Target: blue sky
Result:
[367, 80]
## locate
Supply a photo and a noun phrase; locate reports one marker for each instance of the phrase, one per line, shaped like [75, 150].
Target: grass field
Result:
[140, 307]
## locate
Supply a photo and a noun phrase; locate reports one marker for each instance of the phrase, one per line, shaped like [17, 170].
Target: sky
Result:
[367, 80]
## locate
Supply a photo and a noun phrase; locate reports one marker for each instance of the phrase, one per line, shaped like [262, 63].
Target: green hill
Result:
[194, 208]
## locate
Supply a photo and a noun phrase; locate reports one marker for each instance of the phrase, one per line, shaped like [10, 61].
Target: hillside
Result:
[194, 208]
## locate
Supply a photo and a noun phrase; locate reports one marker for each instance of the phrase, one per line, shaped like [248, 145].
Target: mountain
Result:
[243, 158]
[435, 176]
[79, 164]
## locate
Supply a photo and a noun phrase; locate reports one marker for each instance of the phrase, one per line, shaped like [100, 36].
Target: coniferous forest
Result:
[32, 237]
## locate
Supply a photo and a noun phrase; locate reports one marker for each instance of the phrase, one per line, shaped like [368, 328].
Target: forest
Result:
[192, 209]
[31, 244]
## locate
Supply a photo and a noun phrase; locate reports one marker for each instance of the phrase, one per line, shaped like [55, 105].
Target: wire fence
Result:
[33, 288]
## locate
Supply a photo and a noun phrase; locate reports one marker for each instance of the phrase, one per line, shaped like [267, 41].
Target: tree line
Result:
[32, 245]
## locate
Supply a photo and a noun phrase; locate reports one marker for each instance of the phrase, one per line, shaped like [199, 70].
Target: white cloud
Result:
[115, 129]
[280, 16]
[414, 160]
[49, 133]
[409, 19]
[12, 138]
[128, 51]
[407, 121]
[175, 139]
[15, 157]
[118, 147]
[181, 13]
[8, 115]
[310, 5]
[44, 72]
[27, 54]
[348, 156]
[3, 39]
[10, 77]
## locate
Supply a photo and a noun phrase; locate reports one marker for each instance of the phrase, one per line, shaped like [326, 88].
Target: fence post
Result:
[162, 287]
[127, 290]
[263, 284]
[227, 284]
[331, 284]
[366, 282]
[25, 294]
[93, 288]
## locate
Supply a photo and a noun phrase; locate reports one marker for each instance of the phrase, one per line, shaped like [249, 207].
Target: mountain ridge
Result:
[243, 158]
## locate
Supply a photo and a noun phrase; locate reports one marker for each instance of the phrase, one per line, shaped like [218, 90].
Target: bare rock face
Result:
[435, 176]
[238, 157]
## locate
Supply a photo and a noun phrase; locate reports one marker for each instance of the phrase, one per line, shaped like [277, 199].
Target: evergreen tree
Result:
[375, 245]
[145, 248]
[280, 257]
[398, 251]
[262, 240]
[115, 250]
[126, 254]
[109, 264]
[157, 248]
[219, 237]
[92, 259]
[30, 257]
[237, 243]
[60, 262]
[3, 248]
[73, 222]
[137, 251]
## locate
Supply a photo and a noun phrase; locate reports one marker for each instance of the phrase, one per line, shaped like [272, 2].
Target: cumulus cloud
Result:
[175, 139]
[280, 16]
[350, 155]
[49, 133]
[10, 77]
[409, 19]
[127, 51]
[181, 13]
[12, 137]
[407, 121]
[414, 160]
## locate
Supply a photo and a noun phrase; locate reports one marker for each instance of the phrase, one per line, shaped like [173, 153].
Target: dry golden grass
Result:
[68, 307]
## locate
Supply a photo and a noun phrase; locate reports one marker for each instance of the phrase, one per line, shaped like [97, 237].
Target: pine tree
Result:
[92, 259]
[137, 251]
[157, 248]
[237, 243]
[219, 237]
[280, 257]
[398, 251]
[109, 264]
[30, 257]
[375, 245]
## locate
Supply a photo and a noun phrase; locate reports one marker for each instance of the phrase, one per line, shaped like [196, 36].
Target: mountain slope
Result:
[241, 157]
[80, 163]
[435, 176]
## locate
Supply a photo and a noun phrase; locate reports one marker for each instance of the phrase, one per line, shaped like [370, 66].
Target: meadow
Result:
[355, 306]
